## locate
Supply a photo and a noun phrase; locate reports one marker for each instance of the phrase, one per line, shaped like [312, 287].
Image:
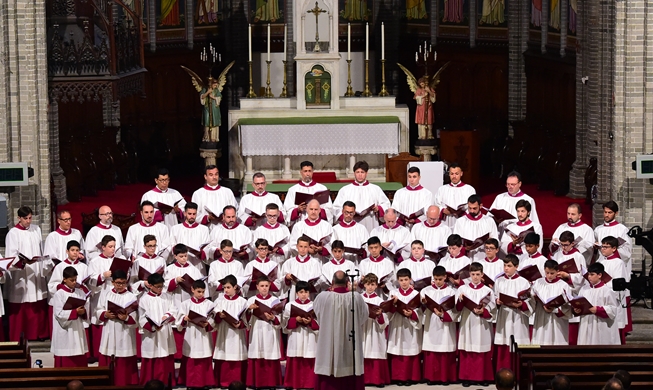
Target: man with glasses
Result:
[162, 193]
[56, 243]
[511, 242]
[251, 211]
[230, 229]
[508, 200]
[103, 228]
[194, 235]
[277, 234]
[353, 234]
[433, 233]
[579, 229]
[136, 233]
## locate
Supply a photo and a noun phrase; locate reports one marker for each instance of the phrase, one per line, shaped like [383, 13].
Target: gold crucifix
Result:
[316, 11]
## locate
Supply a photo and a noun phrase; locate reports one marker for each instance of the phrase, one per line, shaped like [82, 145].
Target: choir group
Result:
[448, 283]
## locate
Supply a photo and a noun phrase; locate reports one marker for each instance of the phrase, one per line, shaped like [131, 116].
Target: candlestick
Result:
[416, 57]
[367, 41]
[250, 43]
[384, 92]
[251, 94]
[285, 43]
[284, 91]
[367, 92]
[382, 41]
[268, 42]
[350, 90]
[348, 42]
[268, 90]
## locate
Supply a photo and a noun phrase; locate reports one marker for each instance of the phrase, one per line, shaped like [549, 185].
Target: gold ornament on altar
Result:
[210, 97]
[424, 90]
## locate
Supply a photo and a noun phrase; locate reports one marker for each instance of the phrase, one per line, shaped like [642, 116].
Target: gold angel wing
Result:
[222, 79]
[412, 81]
[436, 78]
[195, 79]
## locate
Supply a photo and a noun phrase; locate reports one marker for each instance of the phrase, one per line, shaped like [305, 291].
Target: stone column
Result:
[473, 23]
[577, 174]
[545, 25]
[190, 23]
[435, 21]
[24, 130]
[518, 19]
[151, 25]
[55, 164]
[564, 26]
[290, 50]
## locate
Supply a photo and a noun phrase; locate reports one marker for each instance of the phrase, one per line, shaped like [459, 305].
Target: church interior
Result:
[98, 95]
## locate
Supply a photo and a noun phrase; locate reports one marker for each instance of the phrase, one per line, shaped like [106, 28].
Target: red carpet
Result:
[552, 210]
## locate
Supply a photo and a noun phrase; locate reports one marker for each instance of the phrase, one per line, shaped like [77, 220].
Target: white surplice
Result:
[452, 195]
[332, 266]
[375, 343]
[618, 230]
[471, 228]
[317, 230]
[239, 235]
[94, 238]
[198, 341]
[257, 202]
[97, 283]
[432, 236]
[382, 267]
[398, 237]
[218, 270]
[169, 197]
[274, 234]
[410, 200]
[293, 214]
[68, 335]
[176, 293]
[405, 334]
[363, 195]
[516, 228]
[536, 259]
[134, 244]
[230, 343]
[57, 241]
[595, 329]
[118, 337]
[264, 336]
[149, 263]
[352, 235]
[616, 268]
[492, 268]
[266, 266]
[551, 328]
[579, 229]
[511, 320]
[304, 269]
[302, 341]
[508, 202]
[213, 198]
[439, 332]
[419, 268]
[193, 236]
[476, 330]
[576, 278]
[28, 282]
[156, 342]
[57, 276]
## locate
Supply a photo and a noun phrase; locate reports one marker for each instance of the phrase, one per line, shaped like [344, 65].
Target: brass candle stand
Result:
[251, 94]
[350, 90]
[367, 92]
[384, 92]
[268, 90]
[284, 91]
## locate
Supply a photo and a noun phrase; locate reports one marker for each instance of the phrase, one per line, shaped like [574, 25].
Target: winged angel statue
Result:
[424, 90]
[210, 97]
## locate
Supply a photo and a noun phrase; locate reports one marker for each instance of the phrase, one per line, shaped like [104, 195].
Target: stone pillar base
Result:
[577, 180]
[210, 156]
[426, 152]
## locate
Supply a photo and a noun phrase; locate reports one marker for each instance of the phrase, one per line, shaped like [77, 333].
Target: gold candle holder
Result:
[284, 91]
[268, 90]
[367, 92]
[251, 94]
[384, 92]
[350, 90]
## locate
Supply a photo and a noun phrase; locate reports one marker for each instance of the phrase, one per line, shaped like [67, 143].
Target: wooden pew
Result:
[54, 377]
[588, 367]
[15, 355]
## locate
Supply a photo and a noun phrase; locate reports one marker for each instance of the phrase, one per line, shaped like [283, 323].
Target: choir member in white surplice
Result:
[69, 344]
[475, 224]
[369, 198]
[277, 234]
[119, 331]
[148, 262]
[26, 284]
[99, 282]
[614, 266]
[301, 267]
[510, 240]
[599, 327]
[264, 352]
[56, 242]
[432, 232]
[230, 354]
[306, 185]
[161, 193]
[454, 194]
[475, 339]
[335, 364]
[71, 260]
[3, 279]
[212, 198]
[222, 267]
[379, 265]
[611, 227]
[193, 235]
[439, 338]
[103, 228]
[302, 340]
[455, 260]
[196, 367]
[405, 333]
[551, 325]
[420, 267]
[395, 238]
[251, 211]
[134, 240]
[239, 234]
[532, 255]
[353, 234]
[412, 201]
[337, 263]
[512, 317]
[569, 252]
[316, 229]
[156, 316]
[489, 259]
[508, 200]
[579, 229]
[375, 344]
[265, 266]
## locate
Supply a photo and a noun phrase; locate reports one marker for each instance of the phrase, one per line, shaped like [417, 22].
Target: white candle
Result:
[367, 41]
[268, 41]
[285, 40]
[435, 56]
[382, 41]
[416, 57]
[349, 41]
[250, 42]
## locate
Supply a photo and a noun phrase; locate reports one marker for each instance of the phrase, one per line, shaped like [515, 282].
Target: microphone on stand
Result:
[353, 274]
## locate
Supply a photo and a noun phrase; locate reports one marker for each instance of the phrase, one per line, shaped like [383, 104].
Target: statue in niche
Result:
[354, 10]
[207, 11]
[416, 9]
[493, 12]
[210, 97]
[169, 13]
[267, 11]
[536, 13]
[573, 7]
[424, 90]
[554, 18]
